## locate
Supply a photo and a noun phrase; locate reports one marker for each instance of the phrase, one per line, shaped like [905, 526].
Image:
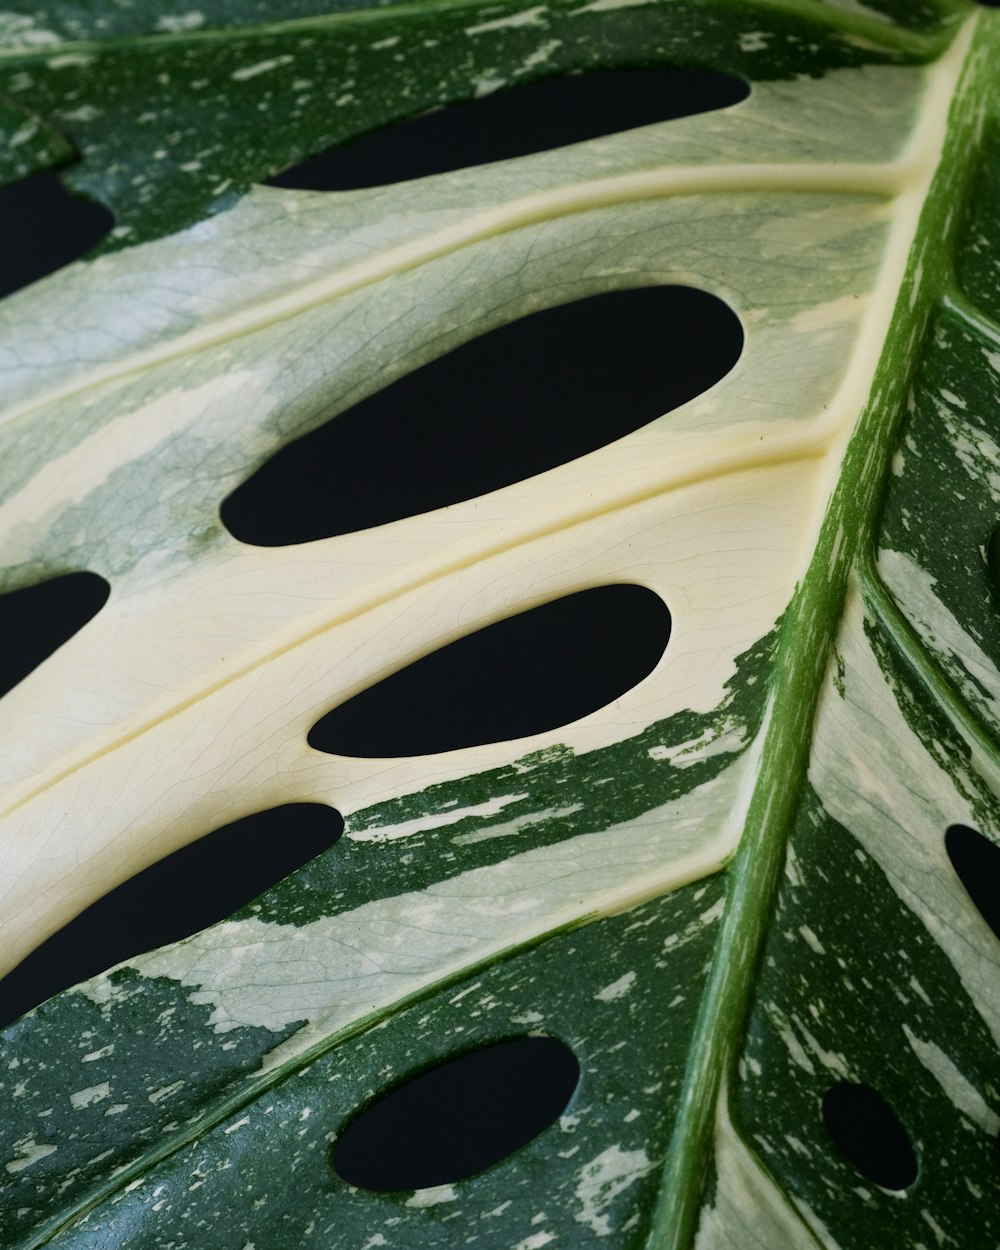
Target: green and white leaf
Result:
[729, 890]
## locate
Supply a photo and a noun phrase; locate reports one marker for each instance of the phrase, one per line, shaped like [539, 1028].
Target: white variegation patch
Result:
[914, 587]
[334, 971]
[742, 1185]
[876, 777]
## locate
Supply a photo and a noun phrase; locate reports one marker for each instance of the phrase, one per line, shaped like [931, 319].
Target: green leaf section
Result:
[617, 992]
[853, 988]
[41, 26]
[187, 119]
[941, 508]
[27, 143]
[576, 887]
[561, 797]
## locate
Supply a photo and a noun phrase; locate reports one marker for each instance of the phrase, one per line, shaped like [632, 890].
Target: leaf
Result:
[729, 891]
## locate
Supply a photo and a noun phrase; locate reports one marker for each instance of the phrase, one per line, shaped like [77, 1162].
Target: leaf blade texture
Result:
[728, 891]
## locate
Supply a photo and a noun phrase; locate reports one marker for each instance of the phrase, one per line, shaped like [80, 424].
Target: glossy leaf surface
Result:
[727, 891]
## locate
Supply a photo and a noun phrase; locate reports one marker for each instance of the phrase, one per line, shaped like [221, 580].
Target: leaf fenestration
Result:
[588, 372]
[528, 674]
[459, 1117]
[194, 887]
[550, 113]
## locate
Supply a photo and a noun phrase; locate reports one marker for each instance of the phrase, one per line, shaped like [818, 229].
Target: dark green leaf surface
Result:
[189, 114]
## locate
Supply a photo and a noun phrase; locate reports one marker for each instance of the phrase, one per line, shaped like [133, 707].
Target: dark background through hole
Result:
[525, 674]
[45, 226]
[459, 1117]
[173, 898]
[869, 1133]
[532, 117]
[514, 402]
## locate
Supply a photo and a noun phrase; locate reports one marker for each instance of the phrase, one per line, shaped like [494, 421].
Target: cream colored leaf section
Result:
[186, 702]
[241, 746]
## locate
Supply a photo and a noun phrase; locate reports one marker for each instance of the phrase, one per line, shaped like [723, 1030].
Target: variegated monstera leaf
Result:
[730, 892]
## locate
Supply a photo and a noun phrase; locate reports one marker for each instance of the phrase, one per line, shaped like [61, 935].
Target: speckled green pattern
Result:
[978, 260]
[167, 1062]
[622, 993]
[28, 143]
[854, 988]
[40, 25]
[31, 26]
[594, 791]
[143, 1064]
[943, 504]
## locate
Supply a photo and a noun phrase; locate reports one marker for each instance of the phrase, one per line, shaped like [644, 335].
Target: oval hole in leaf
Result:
[185, 892]
[36, 620]
[976, 860]
[868, 1132]
[524, 675]
[512, 403]
[45, 226]
[531, 117]
[458, 1118]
